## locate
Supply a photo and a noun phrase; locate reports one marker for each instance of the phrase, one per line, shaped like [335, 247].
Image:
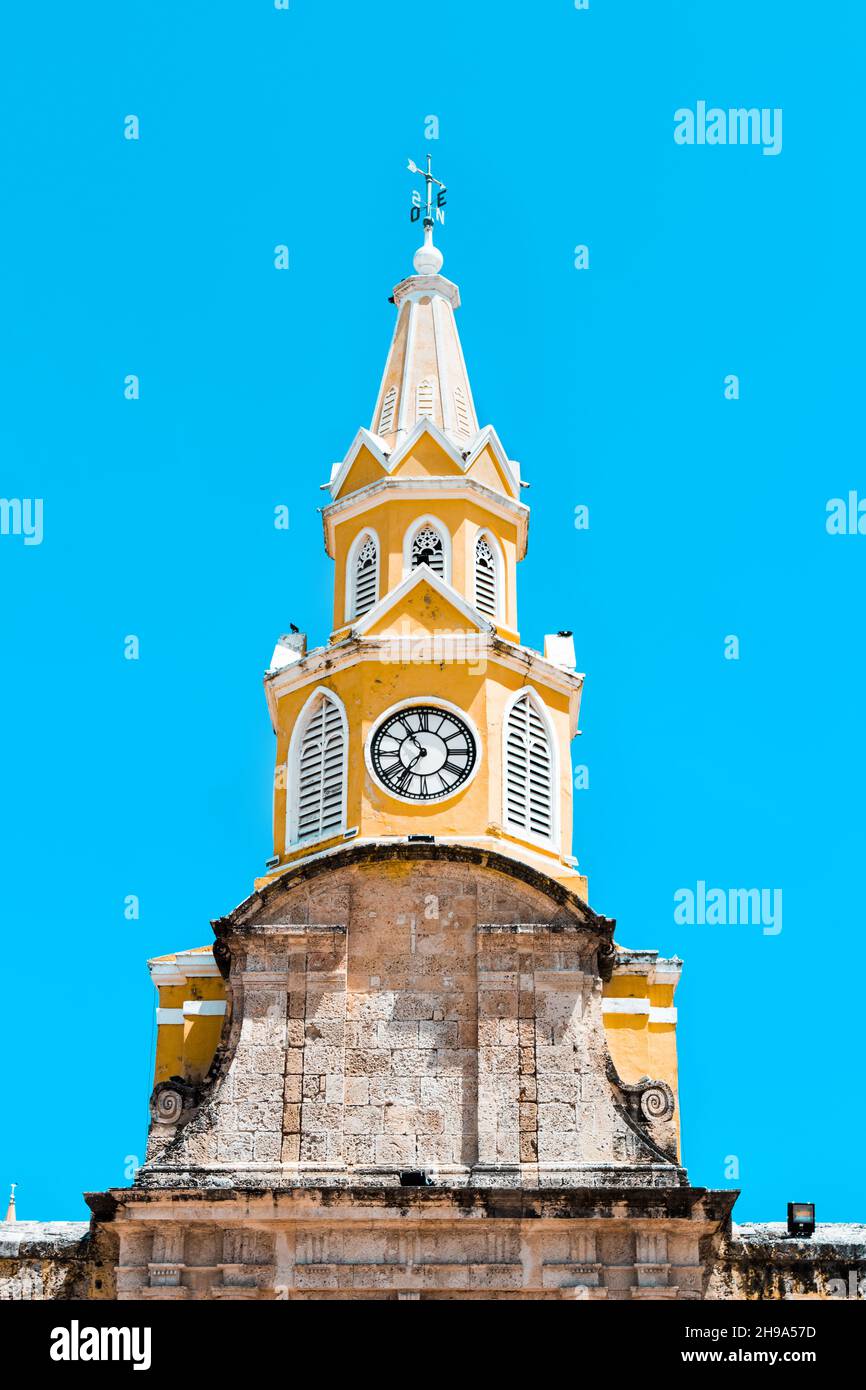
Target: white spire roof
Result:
[425, 375]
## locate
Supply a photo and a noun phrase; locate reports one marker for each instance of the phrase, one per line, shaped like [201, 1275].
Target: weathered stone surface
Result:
[445, 1017]
[57, 1260]
[393, 1020]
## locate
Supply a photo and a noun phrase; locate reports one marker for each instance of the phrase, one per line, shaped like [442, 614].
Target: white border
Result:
[519, 832]
[389, 462]
[416, 576]
[293, 770]
[437, 703]
[499, 573]
[414, 527]
[349, 600]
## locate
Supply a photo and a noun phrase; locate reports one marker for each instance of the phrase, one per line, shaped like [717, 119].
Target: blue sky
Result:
[707, 516]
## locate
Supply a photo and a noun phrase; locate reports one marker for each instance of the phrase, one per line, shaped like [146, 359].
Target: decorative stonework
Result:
[441, 1015]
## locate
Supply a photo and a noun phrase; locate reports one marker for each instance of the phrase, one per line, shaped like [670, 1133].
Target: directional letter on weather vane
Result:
[415, 211]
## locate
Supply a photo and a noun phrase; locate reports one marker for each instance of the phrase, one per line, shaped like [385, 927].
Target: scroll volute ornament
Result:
[173, 1102]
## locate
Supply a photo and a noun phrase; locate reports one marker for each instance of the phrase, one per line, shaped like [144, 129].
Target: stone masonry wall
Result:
[395, 1016]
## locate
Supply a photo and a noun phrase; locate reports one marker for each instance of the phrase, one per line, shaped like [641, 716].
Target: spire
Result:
[10, 1210]
[425, 375]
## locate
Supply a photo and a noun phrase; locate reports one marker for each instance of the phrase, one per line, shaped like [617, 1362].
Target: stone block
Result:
[395, 1149]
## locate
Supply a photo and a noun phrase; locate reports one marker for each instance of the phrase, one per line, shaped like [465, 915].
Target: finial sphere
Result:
[428, 259]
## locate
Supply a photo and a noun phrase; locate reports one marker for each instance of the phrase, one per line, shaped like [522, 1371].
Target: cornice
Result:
[424, 489]
[324, 661]
[575, 907]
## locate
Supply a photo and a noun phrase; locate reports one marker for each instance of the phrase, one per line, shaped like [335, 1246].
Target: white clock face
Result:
[423, 753]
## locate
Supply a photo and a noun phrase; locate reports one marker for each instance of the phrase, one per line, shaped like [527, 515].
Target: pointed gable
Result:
[486, 468]
[428, 457]
[422, 603]
[366, 467]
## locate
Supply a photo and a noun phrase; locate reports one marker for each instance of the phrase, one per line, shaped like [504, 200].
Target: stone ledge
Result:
[41, 1239]
[436, 1203]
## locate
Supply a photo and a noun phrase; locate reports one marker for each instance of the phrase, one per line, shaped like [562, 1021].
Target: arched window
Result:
[428, 549]
[362, 578]
[529, 788]
[319, 770]
[488, 577]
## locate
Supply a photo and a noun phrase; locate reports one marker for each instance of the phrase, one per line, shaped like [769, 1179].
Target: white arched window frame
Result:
[488, 568]
[361, 582]
[424, 523]
[530, 771]
[318, 767]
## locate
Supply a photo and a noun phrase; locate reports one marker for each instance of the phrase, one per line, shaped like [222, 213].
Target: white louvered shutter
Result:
[320, 773]
[461, 411]
[485, 578]
[386, 419]
[424, 399]
[428, 539]
[366, 577]
[528, 771]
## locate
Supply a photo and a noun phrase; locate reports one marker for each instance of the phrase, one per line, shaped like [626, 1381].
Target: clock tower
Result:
[415, 1065]
[424, 715]
[415, 1044]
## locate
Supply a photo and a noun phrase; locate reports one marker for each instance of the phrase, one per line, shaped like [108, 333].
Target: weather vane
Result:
[428, 258]
[416, 196]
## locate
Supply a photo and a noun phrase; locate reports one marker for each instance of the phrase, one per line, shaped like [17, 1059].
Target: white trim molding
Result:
[293, 762]
[171, 1017]
[350, 591]
[436, 702]
[204, 1008]
[425, 490]
[524, 832]
[626, 1006]
[434, 524]
[660, 1015]
[356, 647]
[365, 439]
[421, 574]
[499, 582]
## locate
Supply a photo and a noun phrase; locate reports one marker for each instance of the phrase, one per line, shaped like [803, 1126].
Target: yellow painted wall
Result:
[638, 1046]
[367, 689]
[393, 517]
[186, 1049]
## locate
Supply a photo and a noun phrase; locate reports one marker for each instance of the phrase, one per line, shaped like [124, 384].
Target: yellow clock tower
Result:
[424, 715]
[415, 1064]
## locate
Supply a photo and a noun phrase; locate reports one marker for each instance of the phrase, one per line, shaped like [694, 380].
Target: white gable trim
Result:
[423, 574]
[510, 467]
[388, 462]
[364, 439]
